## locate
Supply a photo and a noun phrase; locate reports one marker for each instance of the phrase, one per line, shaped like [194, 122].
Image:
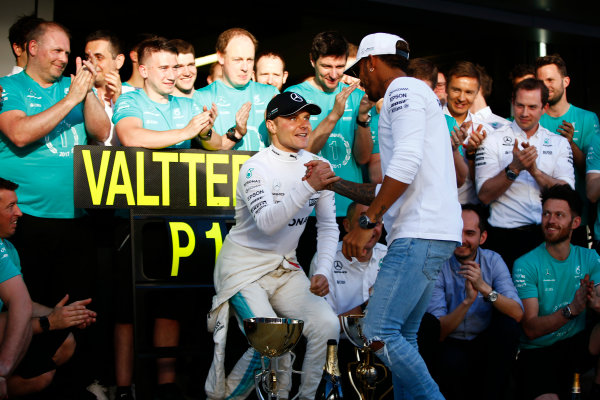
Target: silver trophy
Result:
[272, 338]
[364, 374]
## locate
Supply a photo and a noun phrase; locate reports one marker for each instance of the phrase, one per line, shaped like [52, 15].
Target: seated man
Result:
[52, 344]
[553, 281]
[256, 272]
[478, 308]
[352, 280]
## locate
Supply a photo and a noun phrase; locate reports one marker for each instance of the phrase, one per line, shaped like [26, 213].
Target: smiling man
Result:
[555, 281]
[478, 308]
[241, 101]
[153, 118]
[341, 133]
[257, 273]
[186, 58]
[577, 125]
[462, 87]
[270, 70]
[513, 165]
[104, 50]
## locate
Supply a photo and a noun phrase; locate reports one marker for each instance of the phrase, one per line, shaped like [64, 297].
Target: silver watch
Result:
[492, 297]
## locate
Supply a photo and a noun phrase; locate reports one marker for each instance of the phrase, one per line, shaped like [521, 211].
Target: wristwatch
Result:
[365, 223]
[510, 174]
[207, 136]
[492, 297]
[566, 312]
[45, 324]
[366, 123]
[231, 135]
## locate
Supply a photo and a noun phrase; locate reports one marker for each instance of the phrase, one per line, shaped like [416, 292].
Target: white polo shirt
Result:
[352, 280]
[486, 116]
[466, 192]
[520, 205]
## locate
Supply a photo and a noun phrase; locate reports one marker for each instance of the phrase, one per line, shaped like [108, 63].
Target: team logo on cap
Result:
[296, 97]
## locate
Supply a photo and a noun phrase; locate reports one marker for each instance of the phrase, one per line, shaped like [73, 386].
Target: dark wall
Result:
[444, 38]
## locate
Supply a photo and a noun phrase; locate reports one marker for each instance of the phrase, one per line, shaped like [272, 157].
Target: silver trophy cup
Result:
[364, 374]
[272, 338]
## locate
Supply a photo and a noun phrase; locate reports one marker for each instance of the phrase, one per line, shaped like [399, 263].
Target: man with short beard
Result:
[478, 308]
[577, 125]
[555, 282]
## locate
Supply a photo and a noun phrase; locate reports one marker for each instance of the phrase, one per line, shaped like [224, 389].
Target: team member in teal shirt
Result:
[341, 132]
[43, 117]
[241, 102]
[152, 117]
[555, 282]
[592, 182]
[577, 125]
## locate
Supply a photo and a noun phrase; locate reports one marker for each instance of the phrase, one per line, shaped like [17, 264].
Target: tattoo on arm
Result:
[380, 212]
[363, 193]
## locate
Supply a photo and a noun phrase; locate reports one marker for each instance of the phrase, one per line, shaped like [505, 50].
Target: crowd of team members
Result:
[502, 166]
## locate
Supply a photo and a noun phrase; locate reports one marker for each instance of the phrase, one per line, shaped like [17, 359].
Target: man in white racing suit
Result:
[256, 272]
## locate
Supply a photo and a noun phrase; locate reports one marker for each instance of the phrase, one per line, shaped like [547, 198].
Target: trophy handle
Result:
[350, 365]
[385, 372]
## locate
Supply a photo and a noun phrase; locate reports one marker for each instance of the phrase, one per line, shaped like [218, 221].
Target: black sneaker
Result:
[169, 391]
[124, 393]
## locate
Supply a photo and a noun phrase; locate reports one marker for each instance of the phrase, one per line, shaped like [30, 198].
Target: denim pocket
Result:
[438, 251]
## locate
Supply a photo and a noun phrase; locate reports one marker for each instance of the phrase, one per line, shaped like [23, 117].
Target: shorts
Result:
[38, 359]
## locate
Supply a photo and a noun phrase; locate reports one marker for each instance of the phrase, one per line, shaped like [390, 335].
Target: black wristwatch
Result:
[45, 324]
[207, 136]
[510, 174]
[365, 124]
[231, 135]
[365, 223]
[566, 312]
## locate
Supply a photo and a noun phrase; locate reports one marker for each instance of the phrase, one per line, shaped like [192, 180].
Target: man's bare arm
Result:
[97, 123]
[22, 129]
[320, 134]
[17, 331]
[592, 186]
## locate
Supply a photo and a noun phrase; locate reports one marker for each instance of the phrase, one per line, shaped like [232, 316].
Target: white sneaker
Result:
[98, 390]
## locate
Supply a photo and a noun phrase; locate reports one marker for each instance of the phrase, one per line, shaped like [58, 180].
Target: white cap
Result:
[376, 44]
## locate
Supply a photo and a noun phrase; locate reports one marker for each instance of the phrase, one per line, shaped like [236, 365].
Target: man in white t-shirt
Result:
[512, 165]
[418, 202]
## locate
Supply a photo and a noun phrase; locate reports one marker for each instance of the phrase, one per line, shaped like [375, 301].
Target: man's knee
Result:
[65, 351]
[376, 345]
[18, 386]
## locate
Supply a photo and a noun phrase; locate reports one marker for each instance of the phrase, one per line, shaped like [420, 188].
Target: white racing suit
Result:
[257, 273]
